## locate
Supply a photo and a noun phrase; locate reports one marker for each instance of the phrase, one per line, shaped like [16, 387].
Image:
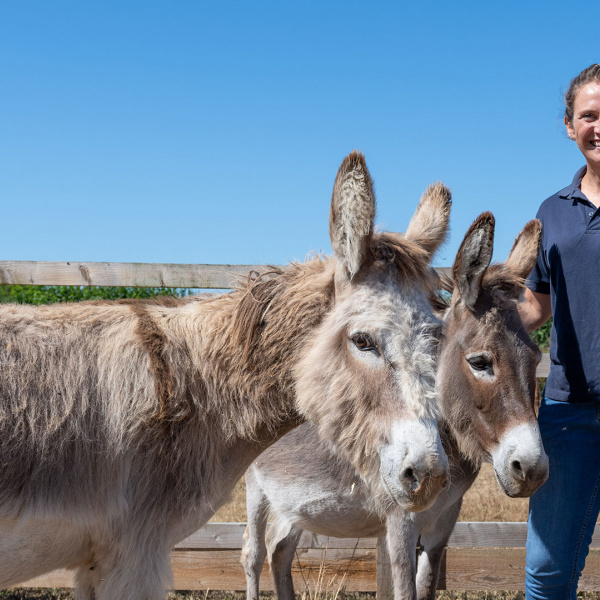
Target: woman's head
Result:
[582, 114]
[589, 75]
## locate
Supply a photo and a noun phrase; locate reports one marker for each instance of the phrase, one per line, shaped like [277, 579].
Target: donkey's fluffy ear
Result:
[524, 253]
[429, 225]
[352, 213]
[473, 258]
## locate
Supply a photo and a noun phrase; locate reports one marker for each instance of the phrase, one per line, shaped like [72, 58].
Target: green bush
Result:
[541, 336]
[47, 294]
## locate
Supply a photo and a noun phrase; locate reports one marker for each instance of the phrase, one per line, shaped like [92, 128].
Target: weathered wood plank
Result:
[316, 569]
[497, 535]
[222, 570]
[465, 569]
[215, 536]
[492, 569]
[502, 569]
[228, 536]
[123, 274]
[489, 535]
[127, 274]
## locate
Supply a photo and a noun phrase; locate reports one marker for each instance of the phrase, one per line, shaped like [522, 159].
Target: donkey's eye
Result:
[364, 343]
[479, 363]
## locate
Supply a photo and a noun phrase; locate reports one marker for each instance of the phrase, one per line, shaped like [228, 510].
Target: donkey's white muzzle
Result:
[520, 463]
[414, 466]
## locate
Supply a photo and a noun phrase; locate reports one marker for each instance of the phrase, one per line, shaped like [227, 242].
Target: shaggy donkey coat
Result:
[125, 425]
[486, 381]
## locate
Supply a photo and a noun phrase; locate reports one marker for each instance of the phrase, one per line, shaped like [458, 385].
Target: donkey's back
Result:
[77, 385]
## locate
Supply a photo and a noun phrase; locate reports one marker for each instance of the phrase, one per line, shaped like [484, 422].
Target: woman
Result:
[566, 283]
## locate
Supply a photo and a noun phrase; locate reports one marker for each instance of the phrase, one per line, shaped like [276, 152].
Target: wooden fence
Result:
[479, 556]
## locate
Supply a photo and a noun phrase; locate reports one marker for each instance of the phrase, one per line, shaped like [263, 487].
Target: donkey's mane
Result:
[392, 252]
[262, 292]
[258, 329]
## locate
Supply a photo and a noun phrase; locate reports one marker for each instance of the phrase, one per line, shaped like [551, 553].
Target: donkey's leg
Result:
[402, 535]
[433, 540]
[136, 567]
[135, 582]
[254, 549]
[85, 581]
[283, 542]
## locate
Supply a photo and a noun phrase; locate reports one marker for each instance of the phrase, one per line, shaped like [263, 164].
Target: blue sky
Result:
[211, 132]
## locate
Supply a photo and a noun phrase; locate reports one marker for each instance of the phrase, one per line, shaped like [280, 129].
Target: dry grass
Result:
[235, 510]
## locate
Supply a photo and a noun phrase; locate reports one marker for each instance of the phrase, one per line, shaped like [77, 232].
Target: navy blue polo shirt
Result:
[568, 268]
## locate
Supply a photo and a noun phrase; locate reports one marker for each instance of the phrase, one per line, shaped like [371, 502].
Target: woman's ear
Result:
[570, 129]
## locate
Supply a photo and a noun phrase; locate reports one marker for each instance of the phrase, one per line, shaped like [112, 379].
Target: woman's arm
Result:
[535, 309]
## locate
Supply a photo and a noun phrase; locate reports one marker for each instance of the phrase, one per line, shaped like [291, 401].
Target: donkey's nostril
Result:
[410, 479]
[516, 465]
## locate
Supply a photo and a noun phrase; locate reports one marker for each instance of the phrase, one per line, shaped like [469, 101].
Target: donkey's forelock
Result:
[405, 260]
[503, 282]
[402, 259]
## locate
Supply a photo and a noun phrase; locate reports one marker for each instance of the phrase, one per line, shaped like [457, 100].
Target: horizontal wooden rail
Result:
[127, 274]
[480, 556]
[123, 274]
[475, 534]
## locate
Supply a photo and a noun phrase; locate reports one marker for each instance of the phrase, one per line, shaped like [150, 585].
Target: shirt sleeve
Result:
[539, 278]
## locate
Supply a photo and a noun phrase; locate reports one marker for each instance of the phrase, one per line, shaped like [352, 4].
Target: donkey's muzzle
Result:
[520, 463]
[421, 491]
[413, 466]
[523, 480]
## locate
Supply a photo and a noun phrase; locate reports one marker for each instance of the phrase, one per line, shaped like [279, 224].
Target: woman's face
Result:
[585, 128]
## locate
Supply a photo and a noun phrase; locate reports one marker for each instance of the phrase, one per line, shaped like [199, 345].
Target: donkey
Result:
[125, 425]
[486, 383]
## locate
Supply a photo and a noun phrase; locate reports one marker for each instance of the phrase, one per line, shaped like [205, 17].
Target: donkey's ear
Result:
[429, 225]
[473, 258]
[524, 253]
[352, 214]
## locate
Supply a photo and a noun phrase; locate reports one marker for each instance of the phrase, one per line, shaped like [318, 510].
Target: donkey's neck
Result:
[246, 344]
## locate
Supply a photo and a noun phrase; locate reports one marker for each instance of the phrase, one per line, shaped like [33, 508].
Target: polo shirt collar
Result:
[573, 191]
